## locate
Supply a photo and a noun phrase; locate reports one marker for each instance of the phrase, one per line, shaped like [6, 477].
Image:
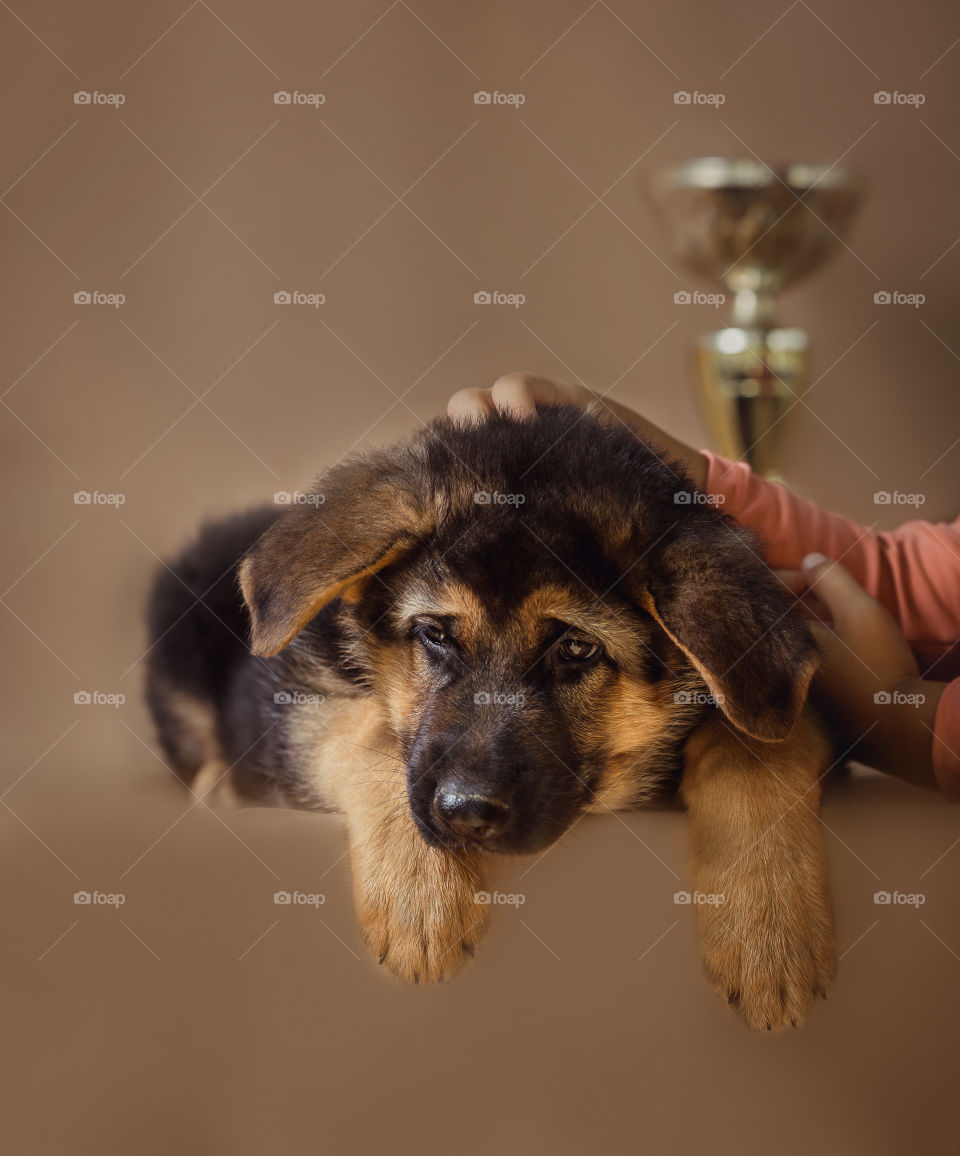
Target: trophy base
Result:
[747, 380]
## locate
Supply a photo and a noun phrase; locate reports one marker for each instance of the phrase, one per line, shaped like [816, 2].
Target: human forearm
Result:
[897, 726]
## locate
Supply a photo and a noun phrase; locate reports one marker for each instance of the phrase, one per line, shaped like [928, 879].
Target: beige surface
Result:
[199, 1017]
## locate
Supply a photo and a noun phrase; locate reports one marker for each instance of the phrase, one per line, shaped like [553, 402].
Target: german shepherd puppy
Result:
[465, 642]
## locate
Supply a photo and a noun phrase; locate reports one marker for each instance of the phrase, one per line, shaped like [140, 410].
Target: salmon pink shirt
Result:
[914, 571]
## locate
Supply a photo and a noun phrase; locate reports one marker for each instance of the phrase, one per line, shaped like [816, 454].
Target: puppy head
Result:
[541, 618]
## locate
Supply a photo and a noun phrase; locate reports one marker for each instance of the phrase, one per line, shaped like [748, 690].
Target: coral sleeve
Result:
[914, 571]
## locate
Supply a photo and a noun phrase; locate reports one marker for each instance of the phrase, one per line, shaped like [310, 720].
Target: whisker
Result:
[373, 750]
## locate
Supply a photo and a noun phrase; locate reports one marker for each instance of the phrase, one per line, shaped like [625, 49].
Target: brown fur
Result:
[753, 810]
[670, 601]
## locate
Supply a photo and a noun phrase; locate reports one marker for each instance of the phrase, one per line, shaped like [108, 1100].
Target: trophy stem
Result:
[755, 230]
[747, 381]
[754, 310]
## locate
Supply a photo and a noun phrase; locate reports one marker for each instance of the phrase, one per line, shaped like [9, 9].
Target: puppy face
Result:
[508, 707]
[541, 618]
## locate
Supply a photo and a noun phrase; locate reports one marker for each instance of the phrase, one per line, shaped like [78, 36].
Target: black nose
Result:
[470, 815]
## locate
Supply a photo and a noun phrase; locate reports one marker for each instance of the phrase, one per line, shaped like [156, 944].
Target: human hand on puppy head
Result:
[521, 393]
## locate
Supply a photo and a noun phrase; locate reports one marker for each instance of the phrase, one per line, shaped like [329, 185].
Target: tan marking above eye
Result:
[470, 622]
[433, 601]
[581, 611]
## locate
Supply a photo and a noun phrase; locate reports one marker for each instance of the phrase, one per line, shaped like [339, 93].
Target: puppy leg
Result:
[768, 945]
[416, 904]
[212, 785]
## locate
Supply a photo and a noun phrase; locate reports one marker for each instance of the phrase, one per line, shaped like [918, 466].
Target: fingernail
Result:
[813, 560]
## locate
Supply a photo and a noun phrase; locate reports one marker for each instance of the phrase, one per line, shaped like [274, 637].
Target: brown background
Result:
[200, 1017]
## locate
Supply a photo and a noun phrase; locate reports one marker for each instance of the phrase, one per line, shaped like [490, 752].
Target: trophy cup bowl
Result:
[755, 230]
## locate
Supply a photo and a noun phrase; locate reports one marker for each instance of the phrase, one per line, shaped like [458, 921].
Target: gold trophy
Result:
[755, 230]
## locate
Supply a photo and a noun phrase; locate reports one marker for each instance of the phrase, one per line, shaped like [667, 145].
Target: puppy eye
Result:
[431, 633]
[577, 650]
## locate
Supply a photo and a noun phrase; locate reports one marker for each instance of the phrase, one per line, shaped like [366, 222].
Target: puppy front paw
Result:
[418, 911]
[769, 956]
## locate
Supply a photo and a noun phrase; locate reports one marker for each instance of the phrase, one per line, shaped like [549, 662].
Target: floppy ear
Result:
[363, 516]
[717, 600]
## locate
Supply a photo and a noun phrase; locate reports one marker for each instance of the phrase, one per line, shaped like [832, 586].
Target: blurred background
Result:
[168, 170]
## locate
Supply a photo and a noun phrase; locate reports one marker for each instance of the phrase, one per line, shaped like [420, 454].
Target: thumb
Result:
[840, 592]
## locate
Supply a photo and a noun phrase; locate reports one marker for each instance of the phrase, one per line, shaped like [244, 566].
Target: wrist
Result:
[693, 461]
[900, 741]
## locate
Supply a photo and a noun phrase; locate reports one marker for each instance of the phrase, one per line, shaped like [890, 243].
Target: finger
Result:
[470, 405]
[794, 581]
[812, 606]
[526, 390]
[809, 605]
[813, 610]
[515, 392]
[845, 599]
